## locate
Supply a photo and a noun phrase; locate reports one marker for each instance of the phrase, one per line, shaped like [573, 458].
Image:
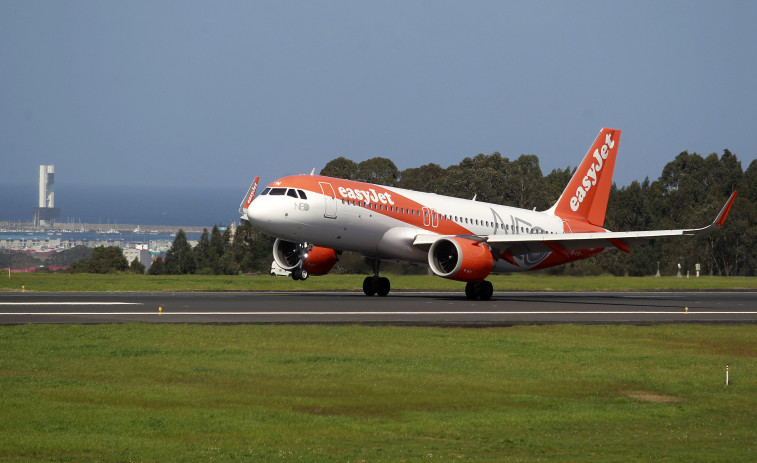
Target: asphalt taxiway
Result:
[399, 308]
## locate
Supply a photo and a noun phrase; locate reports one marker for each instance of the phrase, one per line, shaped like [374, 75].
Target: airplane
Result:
[314, 218]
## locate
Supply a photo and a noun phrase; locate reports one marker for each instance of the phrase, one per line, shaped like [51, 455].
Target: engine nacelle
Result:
[318, 261]
[315, 259]
[460, 259]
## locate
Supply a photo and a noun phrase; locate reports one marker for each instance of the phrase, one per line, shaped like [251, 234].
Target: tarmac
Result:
[398, 308]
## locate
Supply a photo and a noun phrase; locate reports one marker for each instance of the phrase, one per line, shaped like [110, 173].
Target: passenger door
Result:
[330, 197]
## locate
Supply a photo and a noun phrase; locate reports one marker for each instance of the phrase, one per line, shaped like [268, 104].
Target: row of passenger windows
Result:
[460, 220]
[284, 191]
[401, 210]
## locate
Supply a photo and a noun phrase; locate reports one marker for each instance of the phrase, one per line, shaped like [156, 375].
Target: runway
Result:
[399, 308]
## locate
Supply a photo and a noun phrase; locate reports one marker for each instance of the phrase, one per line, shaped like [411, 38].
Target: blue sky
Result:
[211, 94]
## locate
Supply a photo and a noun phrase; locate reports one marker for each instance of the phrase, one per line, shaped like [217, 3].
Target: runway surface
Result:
[400, 308]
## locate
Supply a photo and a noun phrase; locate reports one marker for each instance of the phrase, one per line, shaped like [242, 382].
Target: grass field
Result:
[132, 282]
[351, 393]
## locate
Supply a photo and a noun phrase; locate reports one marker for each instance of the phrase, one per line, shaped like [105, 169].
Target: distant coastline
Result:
[110, 205]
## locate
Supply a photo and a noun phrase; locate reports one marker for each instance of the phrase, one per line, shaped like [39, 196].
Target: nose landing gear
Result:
[300, 274]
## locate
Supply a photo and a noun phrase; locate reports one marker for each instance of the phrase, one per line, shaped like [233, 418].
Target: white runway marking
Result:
[71, 303]
[461, 312]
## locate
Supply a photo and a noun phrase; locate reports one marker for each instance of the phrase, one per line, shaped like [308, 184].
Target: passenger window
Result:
[278, 191]
[302, 194]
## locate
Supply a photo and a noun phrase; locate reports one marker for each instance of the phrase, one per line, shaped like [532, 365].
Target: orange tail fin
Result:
[249, 197]
[585, 197]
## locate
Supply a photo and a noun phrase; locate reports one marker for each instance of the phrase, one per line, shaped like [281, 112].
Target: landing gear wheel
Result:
[485, 290]
[471, 291]
[368, 287]
[482, 290]
[300, 274]
[383, 286]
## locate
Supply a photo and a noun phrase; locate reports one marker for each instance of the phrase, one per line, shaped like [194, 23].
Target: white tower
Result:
[47, 186]
[46, 212]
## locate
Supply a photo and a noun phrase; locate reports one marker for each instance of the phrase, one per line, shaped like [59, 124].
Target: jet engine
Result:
[460, 259]
[303, 259]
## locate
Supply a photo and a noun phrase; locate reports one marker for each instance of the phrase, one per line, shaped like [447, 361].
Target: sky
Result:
[211, 94]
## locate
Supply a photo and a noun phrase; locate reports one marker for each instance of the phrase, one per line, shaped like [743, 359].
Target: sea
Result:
[153, 205]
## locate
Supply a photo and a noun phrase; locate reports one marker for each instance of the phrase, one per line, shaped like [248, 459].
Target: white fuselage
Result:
[383, 222]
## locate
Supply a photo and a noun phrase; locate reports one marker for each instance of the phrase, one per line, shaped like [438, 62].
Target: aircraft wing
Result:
[562, 243]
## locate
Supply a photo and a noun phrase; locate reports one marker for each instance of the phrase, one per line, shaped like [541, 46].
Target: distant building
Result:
[141, 253]
[46, 212]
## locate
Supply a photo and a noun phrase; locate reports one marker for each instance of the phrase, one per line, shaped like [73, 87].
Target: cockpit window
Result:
[292, 193]
[278, 191]
[302, 194]
[265, 192]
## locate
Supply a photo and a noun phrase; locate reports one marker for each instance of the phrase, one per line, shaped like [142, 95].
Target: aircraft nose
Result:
[253, 212]
[260, 211]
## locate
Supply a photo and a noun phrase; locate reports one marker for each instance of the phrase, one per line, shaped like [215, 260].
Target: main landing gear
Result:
[375, 284]
[482, 290]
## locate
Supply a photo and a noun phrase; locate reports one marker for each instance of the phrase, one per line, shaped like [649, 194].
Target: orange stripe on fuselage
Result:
[389, 202]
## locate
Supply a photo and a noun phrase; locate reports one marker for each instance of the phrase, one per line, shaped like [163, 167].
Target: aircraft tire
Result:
[485, 290]
[471, 291]
[304, 274]
[368, 287]
[383, 286]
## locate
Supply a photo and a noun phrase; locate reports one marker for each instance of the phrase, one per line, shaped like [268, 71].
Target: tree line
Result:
[217, 253]
[688, 193]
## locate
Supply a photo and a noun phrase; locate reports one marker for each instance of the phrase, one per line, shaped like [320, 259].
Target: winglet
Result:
[720, 219]
[249, 197]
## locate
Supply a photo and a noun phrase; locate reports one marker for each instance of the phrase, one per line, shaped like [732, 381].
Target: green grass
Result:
[352, 393]
[131, 282]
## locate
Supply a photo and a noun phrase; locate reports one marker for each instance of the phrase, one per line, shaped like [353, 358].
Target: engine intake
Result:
[315, 259]
[460, 259]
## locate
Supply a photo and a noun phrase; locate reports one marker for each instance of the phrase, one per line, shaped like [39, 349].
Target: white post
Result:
[726, 374]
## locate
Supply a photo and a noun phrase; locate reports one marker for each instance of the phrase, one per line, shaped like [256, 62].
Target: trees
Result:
[340, 167]
[137, 267]
[418, 178]
[104, 260]
[179, 258]
[157, 267]
[378, 170]
[688, 193]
